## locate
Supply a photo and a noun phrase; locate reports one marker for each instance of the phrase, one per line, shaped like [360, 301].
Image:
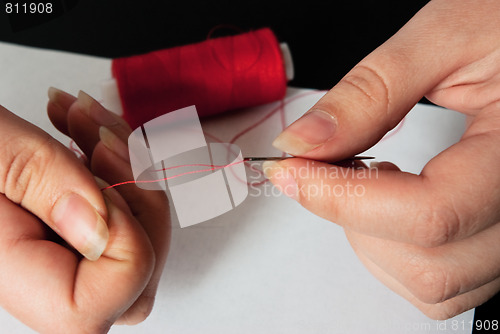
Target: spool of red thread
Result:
[216, 75]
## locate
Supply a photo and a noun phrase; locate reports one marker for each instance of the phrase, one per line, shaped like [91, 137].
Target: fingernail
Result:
[95, 111]
[374, 164]
[307, 133]
[80, 225]
[281, 178]
[53, 93]
[100, 182]
[54, 97]
[113, 143]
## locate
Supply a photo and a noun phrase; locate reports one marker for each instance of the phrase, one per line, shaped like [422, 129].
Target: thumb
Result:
[377, 93]
[42, 176]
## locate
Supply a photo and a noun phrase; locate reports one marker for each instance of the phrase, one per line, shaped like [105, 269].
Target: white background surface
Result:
[268, 266]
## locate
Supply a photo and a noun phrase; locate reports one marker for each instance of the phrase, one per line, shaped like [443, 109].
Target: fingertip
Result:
[384, 165]
[128, 242]
[138, 312]
[281, 178]
[52, 93]
[58, 117]
[82, 129]
[309, 132]
[60, 97]
[57, 108]
[114, 143]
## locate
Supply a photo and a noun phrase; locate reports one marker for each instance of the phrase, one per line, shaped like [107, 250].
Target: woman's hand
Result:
[433, 237]
[45, 282]
[102, 136]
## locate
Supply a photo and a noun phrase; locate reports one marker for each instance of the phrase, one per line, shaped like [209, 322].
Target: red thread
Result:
[191, 165]
[216, 75]
[280, 108]
[212, 168]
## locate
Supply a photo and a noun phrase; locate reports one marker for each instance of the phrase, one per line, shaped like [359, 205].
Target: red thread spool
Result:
[216, 75]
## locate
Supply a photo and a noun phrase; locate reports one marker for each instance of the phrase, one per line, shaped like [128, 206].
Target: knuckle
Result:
[27, 163]
[429, 283]
[373, 88]
[435, 226]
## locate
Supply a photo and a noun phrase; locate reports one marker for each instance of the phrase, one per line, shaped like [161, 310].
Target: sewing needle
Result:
[357, 157]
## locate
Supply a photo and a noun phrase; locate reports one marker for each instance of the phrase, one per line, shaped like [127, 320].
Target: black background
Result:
[327, 38]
